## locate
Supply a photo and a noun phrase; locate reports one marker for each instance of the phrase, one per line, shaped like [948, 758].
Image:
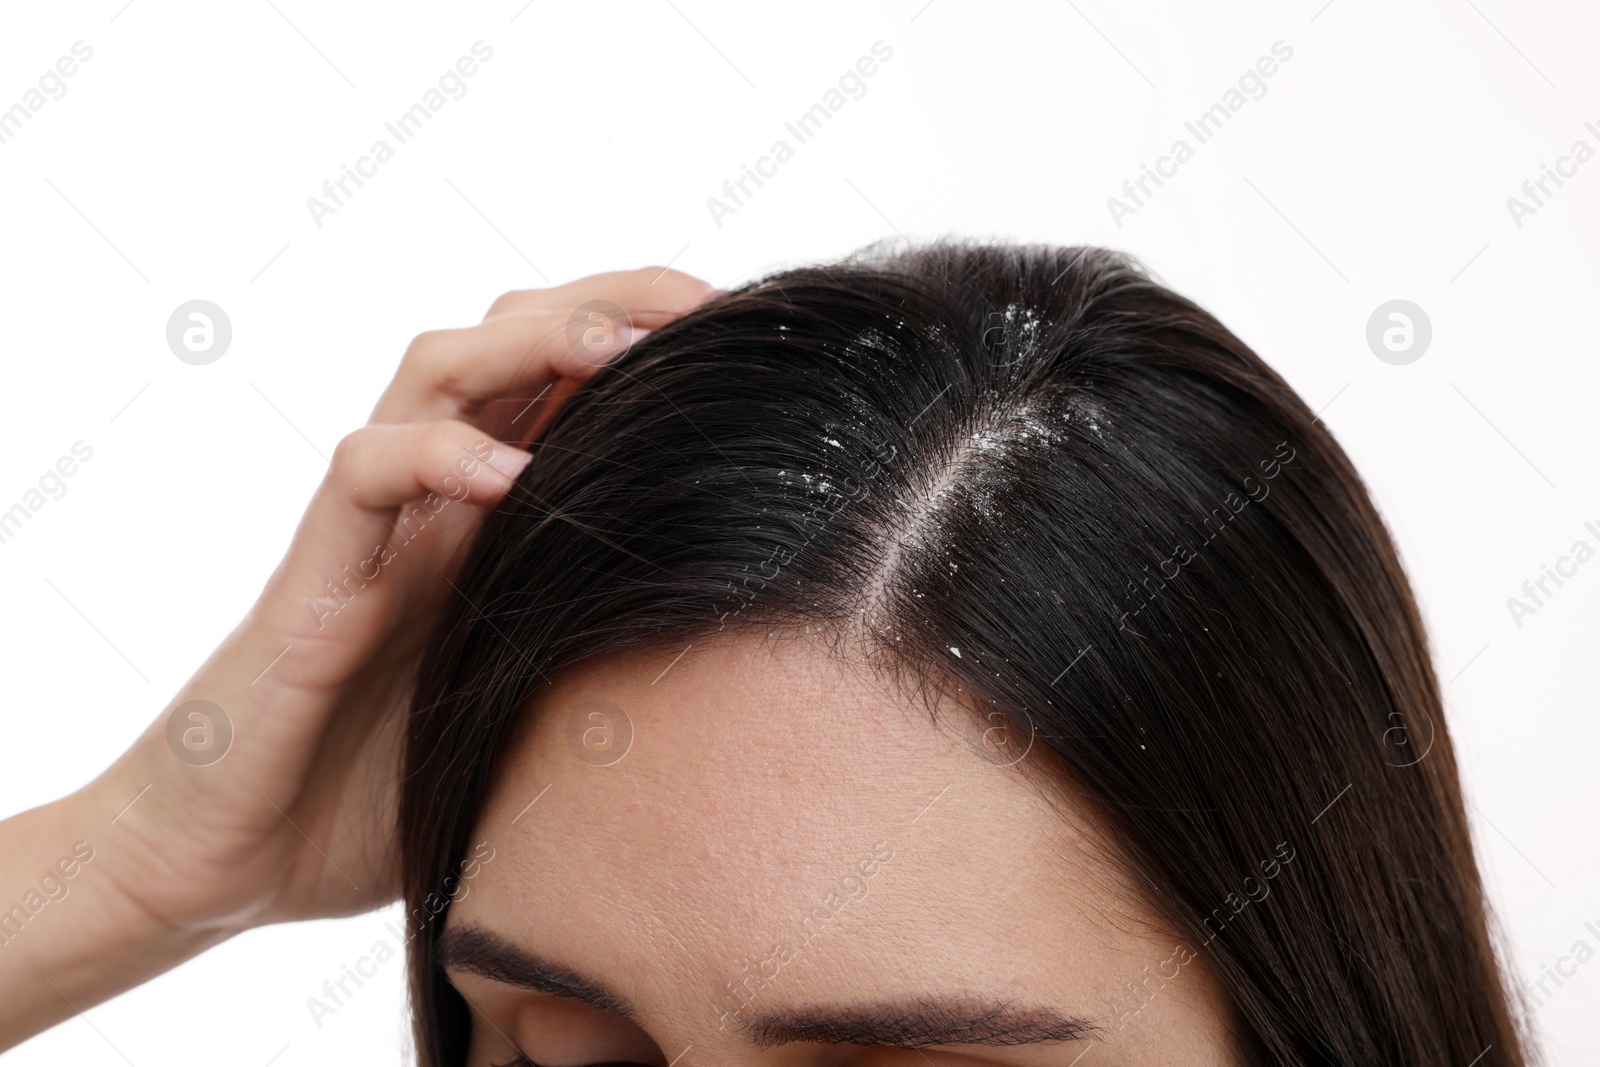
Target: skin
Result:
[759, 776]
[297, 819]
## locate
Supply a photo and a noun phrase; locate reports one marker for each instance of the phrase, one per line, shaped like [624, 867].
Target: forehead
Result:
[765, 794]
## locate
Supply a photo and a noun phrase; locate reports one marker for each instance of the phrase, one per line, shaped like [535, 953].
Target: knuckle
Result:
[424, 345]
[422, 354]
[349, 448]
[434, 357]
[504, 303]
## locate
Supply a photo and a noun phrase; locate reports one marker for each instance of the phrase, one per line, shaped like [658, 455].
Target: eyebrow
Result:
[477, 951]
[922, 1022]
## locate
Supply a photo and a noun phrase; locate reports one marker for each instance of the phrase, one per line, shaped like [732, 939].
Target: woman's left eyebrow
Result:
[921, 1023]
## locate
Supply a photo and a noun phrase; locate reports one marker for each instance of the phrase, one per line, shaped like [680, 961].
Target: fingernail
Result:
[509, 461]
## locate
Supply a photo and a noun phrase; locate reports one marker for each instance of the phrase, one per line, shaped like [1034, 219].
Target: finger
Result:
[389, 465]
[639, 292]
[354, 527]
[535, 337]
[448, 374]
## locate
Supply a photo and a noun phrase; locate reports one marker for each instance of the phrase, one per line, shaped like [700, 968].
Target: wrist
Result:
[72, 934]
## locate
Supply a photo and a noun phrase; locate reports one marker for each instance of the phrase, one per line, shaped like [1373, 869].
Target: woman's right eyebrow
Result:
[477, 951]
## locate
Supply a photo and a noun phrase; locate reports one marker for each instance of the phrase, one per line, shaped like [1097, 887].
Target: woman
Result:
[972, 651]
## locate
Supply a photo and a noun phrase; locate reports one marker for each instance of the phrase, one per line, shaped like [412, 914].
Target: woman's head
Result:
[989, 628]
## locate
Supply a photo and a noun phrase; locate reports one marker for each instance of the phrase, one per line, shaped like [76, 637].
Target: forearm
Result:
[70, 935]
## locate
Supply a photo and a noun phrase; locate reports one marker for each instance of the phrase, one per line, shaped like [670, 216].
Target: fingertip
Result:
[707, 294]
[509, 461]
[671, 278]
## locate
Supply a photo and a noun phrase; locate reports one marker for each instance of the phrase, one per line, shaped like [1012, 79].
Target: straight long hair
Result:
[1154, 560]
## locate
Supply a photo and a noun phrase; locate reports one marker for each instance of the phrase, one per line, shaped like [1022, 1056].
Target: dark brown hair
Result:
[1151, 555]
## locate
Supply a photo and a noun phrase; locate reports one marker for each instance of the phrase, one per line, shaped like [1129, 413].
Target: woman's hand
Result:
[275, 798]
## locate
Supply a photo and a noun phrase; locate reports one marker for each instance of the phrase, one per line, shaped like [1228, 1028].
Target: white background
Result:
[178, 164]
